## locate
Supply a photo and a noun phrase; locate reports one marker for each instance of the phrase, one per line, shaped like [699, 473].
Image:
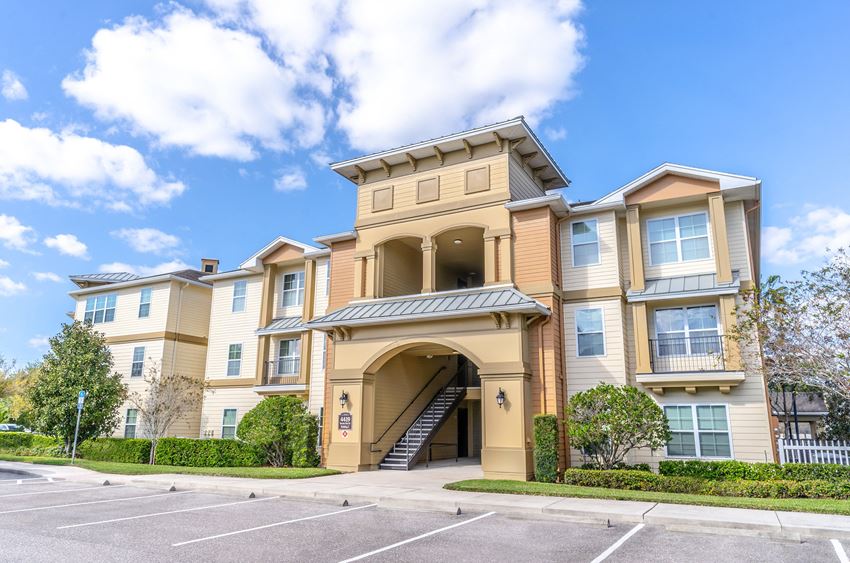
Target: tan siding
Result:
[342, 274]
[623, 245]
[739, 250]
[322, 287]
[534, 258]
[402, 269]
[127, 319]
[317, 372]
[278, 308]
[521, 184]
[227, 327]
[193, 315]
[216, 400]
[604, 274]
[676, 268]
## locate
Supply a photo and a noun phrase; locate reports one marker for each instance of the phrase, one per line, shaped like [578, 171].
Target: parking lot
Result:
[69, 521]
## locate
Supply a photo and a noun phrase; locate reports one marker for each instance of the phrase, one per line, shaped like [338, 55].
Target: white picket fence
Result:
[814, 451]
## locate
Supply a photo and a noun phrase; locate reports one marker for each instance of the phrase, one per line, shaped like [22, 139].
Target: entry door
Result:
[462, 433]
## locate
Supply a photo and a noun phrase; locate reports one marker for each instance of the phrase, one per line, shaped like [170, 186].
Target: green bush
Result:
[23, 443]
[634, 467]
[191, 452]
[726, 470]
[546, 448]
[643, 481]
[281, 427]
[124, 450]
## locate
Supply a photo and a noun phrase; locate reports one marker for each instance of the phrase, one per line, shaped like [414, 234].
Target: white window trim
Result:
[687, 331]
[133, 362]
[135, 425]
[296, 358]
[678, 239]
[696, 431]
[228, 360]
[328, 276]
[573, 245]
[235, 422]
[575, 324]
[106, 307]
[234, 297]
[298, 289]
[324, 341]
[148, 302]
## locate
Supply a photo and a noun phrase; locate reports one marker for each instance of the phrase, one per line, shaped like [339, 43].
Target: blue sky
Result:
[150, 135]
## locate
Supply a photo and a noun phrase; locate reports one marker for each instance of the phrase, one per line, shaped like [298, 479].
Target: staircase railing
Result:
[406, 408]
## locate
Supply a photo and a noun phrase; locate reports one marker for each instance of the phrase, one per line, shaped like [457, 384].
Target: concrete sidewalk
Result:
[422, 489]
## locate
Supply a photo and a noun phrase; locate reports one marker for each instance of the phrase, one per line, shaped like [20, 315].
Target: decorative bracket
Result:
[468, 148]
[411, 160]
[361, 175]
[385, 165]
[439, 154]
[499, 141]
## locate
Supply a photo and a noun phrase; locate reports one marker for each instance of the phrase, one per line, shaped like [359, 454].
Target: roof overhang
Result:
[327, 240]
[140, 281]
[231, 274]
[514, 131]
[691, 381]
[255, 262]
[283, 325]
[555, 201]
[684, 287]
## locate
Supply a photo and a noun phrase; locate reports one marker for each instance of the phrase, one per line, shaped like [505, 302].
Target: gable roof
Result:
[745, 184]
[115, 280]
[255, 262]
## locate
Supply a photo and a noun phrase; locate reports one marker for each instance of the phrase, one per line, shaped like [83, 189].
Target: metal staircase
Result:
[402, 455]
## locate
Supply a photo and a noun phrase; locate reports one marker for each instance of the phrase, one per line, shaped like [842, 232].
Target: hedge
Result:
[546, 448]
[207, 453]
[726, 470]
[124, 450]
[619, 466]
[24, 443]
[643, 481]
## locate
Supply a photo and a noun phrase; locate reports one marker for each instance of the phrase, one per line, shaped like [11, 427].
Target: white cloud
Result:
[162, 268]
[47, 276]
[194, 84]
[264, 73]
[291, 180]
[69, 169]
[555, 134]
[15, 235]
[39, 342]
[148, 240]
[808, 237]
[39, 116]
[9, 287]
[3, 263]
[11, 86]
[68, 245]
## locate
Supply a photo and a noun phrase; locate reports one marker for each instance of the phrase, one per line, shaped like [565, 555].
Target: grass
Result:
[141, 469]
[824, 506]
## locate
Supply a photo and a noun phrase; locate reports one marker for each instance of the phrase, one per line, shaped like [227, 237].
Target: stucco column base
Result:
[506, 451]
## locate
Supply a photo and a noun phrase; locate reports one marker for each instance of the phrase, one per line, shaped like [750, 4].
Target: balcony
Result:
[282, 372]
[691, 363]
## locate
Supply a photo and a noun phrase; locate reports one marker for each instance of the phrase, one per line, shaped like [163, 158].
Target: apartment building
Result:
[258, 342]
[157, 321]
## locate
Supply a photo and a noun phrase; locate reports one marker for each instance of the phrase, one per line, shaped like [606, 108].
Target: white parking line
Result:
[272, 525]
[90, 502]
[617, 544]
[54, 491]
[151, 515]
[417, 538]
[839, 551]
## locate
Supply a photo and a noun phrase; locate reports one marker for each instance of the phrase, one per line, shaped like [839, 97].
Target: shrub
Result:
[546, 448]
[192, 452]
[281, 427]
[643, 481]
[123, 450]
[23, 443]
[725, 470]
[634, 467]
[606, 422]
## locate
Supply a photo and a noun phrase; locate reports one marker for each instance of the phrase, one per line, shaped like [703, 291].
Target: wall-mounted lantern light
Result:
[500, 397]
[343, 399]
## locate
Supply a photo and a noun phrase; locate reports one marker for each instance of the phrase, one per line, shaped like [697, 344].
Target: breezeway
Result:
[80, 521]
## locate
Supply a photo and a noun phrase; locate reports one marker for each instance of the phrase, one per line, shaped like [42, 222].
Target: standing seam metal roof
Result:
[283, 324]
[684, 285]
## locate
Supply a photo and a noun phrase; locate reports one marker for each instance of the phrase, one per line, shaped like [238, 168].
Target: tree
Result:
[283, 429]
[802, 329]
[607, 422]
[167, 399]
[78, 360]
[837, 419]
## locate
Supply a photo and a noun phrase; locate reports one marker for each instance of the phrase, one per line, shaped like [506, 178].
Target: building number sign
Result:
[345, 422]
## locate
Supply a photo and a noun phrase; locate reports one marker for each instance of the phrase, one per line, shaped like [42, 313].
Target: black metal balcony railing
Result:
[282, 372]
[697, 353]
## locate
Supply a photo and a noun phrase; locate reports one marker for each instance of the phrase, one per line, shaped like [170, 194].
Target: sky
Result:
[139, 136]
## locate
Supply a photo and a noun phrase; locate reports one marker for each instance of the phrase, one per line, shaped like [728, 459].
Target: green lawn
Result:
[140, 469]
[826, 506]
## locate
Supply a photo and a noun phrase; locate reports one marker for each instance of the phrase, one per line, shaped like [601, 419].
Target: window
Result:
[228, 423]
[130, 423]
[100, 309]
[328, 278]
[138, 361]
[293, 289]
[145, 303]
[234, 359]
[289, 357]
[698, 431]
[585, 242]
[208, 268]
[678, 239]
[687, 331]
[324, 339]
[590, 333]
[239, 290]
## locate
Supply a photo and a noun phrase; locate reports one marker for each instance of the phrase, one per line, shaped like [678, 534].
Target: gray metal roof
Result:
[282, 325]
[107, 277]
[693, 285]
[460, 303]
